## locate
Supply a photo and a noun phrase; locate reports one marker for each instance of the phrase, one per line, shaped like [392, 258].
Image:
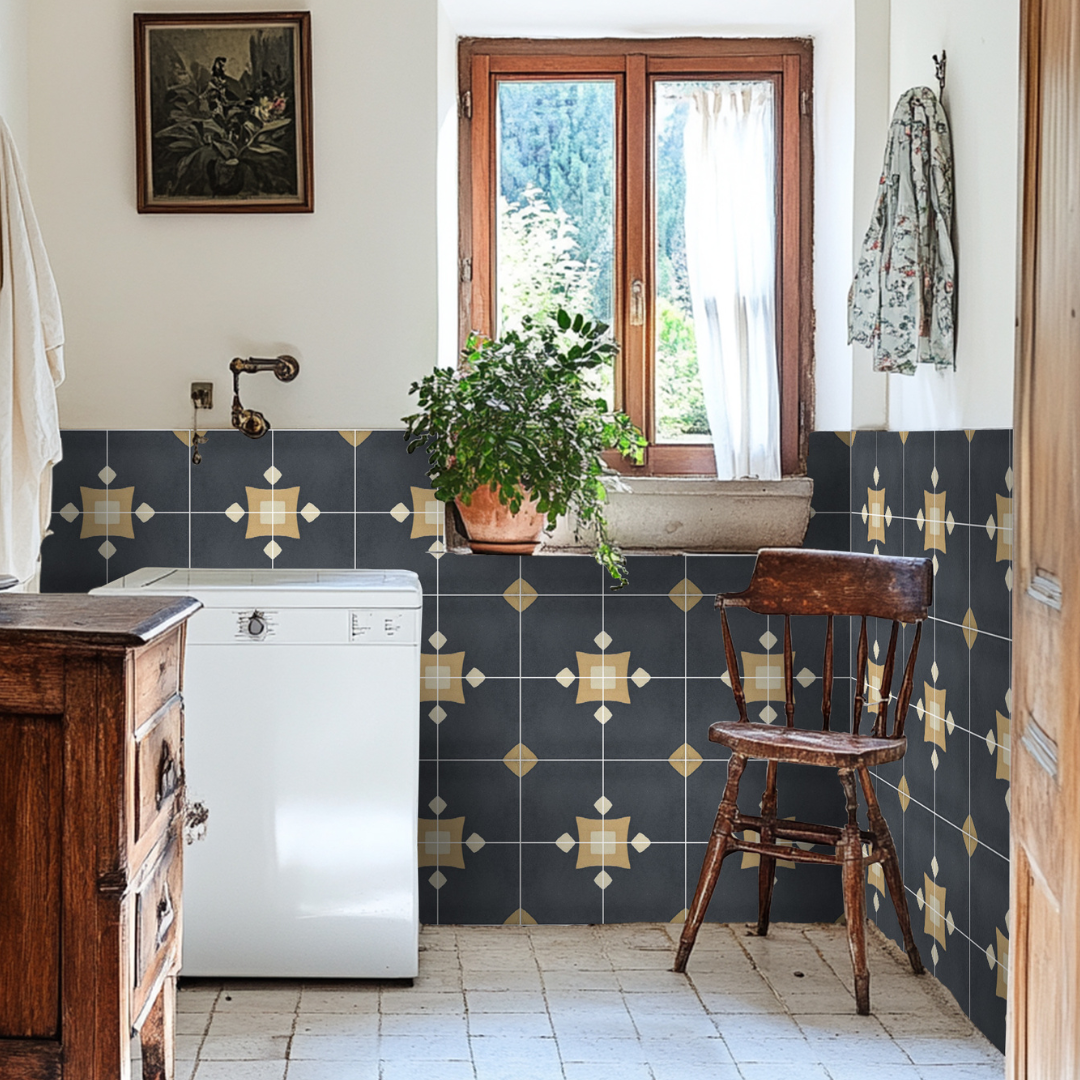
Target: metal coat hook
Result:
[939, 71]
[251, 422]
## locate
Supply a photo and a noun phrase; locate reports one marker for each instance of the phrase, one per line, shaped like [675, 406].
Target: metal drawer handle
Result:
[166, 778]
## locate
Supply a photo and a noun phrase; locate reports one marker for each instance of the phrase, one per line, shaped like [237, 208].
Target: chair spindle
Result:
[827, 676]
[886, 684]
[789, 677]
[733, 667]
[906, 687]
[860, 679]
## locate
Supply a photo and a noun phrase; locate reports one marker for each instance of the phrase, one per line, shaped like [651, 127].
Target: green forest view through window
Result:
[556, 226]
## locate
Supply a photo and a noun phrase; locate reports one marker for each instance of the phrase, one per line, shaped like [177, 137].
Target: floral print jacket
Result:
[902, 303]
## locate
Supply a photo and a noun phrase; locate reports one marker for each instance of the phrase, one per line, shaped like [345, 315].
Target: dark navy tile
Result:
[567, 575]
[719, 573]
[385, 471]
[489, 575]
[554, 794]
[652, 890]
[156, 464]
[554, 891]
[160, 541]
[918, 471]
[890, 465]
[652, 628]
[829, 531]
[655, 574]
[829, 465]
[736, 896]
[951, 797]
[486, 628]
[953, 875]
[652, 794]
[485, 793]
[917, 862]
[951, 595]
[952, 452]
[216, 541]
[231, 463]
[705, 641]
[69, 564]
[990, 461]
[321, 464]
[705, 788]
[807, 793]
[85, 455]
[326, 543]
[554, 726]
[990, 723]
[485, 726]
[384, 544]
[708, 701]
[989, 929]
[486, 892]
[653, 726]
[863, 463]
[554, 629]
[991, 598]
[807, 893]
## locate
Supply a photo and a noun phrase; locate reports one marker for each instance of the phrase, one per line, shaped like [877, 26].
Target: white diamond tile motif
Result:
[640, 842]
[438, 714]
[475, 677]
[934, 476]
[272, 550]
[934, 867]
[235, 512]
[69, 513]
[934, 670]
[437, 880]
[400, 512]
[565, 842]
[603, 879]
[437, 805]
[603, 804]
[603, 639]
[145, 512]
[273, 475]
[768, 714]
[934, 759]
[438, 639]
[107, 550]
[310, 513]
[475, 843]
[877, 475]
[565, 677]
[805, 677]
[640, 677]
[768, 639]
[603, 714]
[934, 954]
[107, 476]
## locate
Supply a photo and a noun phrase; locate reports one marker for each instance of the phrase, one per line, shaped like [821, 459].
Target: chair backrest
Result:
[801, 581]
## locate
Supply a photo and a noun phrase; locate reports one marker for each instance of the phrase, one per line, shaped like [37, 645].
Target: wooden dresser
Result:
[91, 818]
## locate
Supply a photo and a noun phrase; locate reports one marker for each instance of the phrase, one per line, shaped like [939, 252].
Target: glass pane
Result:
[555, 238]
[680, 401]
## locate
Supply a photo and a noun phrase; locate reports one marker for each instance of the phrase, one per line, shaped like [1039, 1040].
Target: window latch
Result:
[637, 302]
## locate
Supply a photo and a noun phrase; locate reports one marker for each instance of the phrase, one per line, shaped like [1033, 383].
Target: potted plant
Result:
[516, 432]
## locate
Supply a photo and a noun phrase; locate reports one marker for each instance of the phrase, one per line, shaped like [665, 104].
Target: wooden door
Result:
[1044, 980]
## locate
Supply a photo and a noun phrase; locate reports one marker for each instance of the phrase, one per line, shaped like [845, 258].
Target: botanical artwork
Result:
[224, 112]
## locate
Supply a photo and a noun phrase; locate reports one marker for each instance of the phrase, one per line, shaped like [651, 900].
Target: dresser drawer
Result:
[157, 766]
[158, 917]
[157, 675]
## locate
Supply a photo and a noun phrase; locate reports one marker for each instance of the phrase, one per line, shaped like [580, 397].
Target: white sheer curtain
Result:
[730, 156]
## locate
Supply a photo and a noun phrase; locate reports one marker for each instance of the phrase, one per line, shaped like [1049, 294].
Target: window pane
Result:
[555, 237]
[680, 401]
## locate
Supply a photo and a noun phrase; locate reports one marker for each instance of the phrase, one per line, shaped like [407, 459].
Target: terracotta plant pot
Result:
[493, 530]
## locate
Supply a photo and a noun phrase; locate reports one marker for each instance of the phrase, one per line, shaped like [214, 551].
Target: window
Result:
[581, 186]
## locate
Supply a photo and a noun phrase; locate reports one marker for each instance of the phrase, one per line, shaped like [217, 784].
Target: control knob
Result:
[256, 626]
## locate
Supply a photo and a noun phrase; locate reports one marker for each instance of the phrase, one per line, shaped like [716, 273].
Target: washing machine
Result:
[301, 692]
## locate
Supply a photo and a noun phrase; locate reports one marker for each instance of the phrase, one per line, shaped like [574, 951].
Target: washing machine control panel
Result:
[255, 624]
[387, 626]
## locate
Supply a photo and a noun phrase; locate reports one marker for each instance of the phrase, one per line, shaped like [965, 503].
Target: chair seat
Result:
[837, 749]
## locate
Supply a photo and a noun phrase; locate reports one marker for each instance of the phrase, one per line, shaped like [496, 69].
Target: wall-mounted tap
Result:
[251, 422]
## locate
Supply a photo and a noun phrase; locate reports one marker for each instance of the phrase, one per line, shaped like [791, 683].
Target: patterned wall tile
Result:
[322, 463]
[829, 464]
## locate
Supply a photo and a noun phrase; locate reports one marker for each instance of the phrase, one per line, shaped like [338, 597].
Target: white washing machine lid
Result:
[289, 588]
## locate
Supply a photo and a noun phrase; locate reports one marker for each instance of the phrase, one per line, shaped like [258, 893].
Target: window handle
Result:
[637, 302]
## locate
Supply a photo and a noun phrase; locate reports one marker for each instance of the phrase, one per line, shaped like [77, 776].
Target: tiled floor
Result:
[592, 1003]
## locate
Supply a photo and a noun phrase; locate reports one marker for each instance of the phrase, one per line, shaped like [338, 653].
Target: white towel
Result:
[31, 368]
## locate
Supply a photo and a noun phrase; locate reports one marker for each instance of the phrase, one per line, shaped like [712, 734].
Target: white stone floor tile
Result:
[591, 1003]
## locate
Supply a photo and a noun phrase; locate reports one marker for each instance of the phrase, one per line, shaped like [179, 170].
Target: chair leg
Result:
[767, 866]
[718, 848]
[890, 866]
[855, 895]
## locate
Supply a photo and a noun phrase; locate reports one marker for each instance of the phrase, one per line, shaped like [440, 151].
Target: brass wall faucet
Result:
[251, 422]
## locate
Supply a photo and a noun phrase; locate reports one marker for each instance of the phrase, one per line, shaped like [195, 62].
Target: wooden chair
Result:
[793, 581]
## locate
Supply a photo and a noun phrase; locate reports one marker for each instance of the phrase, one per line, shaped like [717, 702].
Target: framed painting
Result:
[223, 113]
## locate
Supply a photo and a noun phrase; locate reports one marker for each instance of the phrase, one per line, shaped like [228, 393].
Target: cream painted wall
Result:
[14, 99]
[152, 302]
[982, 100]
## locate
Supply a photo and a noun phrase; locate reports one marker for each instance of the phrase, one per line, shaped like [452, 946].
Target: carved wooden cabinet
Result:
[91, 809]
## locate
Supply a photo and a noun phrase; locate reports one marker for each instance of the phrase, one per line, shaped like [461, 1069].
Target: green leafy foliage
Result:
[520, 416]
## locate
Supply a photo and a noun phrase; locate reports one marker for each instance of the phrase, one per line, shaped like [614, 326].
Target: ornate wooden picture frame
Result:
[223, 113]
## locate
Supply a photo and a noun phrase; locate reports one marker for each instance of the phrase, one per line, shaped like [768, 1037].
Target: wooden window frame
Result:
[635, 65]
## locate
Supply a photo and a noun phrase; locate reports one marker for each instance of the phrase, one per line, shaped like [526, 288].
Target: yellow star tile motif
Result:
[1004, 747]
[1002, 987]
[520, 595]
[934, 715]
[440, 677]
[685, 760]
[106, 512]
[685, 595]
[763, 676]
[934, 529]
[905, 793]
[603, 677]
[520, 760]
[971, 628]
[971, 837]
[427, 513]
[1004, 529]
[272, 512]
[603, 842]
[875, 505]
[354, 438]
[520, 918]
[439, 842]
[934, 910]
